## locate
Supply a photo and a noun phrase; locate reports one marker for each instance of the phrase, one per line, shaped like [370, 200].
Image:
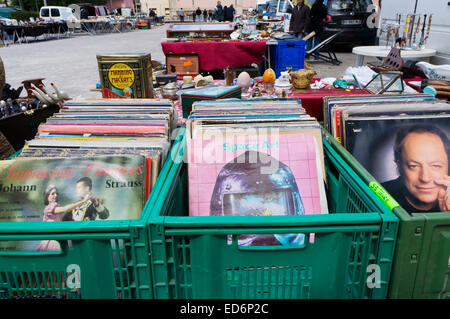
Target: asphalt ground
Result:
[71, 63]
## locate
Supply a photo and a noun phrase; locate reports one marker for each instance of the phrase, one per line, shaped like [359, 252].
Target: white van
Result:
[56, 14]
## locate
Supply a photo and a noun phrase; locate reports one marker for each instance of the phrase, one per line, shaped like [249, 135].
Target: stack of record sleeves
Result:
[93, 160]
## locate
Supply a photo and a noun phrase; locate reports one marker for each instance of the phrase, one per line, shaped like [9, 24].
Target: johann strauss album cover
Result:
[70, 189]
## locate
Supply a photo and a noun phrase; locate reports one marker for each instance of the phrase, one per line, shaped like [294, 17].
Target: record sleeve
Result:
[127, 130]
[408, 155]
[70, 189]
[280, 171]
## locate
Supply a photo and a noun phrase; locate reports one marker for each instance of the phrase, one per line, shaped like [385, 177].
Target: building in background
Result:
[116, 4]
[161, 7]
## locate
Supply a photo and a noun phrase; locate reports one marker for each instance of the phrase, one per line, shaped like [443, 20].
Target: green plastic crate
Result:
[110, 257]
[421, 266]
[191, 257]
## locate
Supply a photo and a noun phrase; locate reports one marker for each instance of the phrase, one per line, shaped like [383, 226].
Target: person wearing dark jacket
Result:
[230, 13]
[225, 11]
[316, 23]
[205, 15]
[299, 19]
[218, 13]
[198, 13]
[210, 15]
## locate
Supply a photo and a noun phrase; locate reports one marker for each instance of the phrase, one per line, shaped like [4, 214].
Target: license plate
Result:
[350, 22]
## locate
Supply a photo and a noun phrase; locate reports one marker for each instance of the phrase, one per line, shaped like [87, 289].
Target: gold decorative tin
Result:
[126, 75]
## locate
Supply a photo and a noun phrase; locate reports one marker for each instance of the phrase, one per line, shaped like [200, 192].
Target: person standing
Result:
[210, 15]
[317, 20]
[218, 12]
[230, 13]
[198, 13]
[153, 16]
[181, 15]
[225, 18]
[299, 19]
[205, 15]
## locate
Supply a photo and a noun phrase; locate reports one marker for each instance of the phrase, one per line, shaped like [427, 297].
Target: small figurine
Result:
[256, 92]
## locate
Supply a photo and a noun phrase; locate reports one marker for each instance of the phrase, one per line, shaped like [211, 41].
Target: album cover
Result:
[258, 175]
[280, 165]
[127, 130]
[154, 156]
[70, 189]
[408, 155]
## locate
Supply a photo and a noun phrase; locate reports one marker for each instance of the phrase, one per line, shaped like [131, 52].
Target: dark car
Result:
[93, 10]
[350, 16]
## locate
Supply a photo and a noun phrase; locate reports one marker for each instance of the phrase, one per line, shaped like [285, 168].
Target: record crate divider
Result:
[98, 259]
[192, 258]
[421, 267]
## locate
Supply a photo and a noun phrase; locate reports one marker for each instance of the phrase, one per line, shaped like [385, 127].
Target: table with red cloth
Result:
[220, 55]
[312, 99]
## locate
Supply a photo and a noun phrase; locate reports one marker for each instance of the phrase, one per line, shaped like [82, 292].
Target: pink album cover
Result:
[141, 130]
[263, 174]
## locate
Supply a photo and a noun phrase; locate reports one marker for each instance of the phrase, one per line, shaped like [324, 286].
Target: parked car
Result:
[56, 13]
[90, 10]
[101, 11]
[351, 17]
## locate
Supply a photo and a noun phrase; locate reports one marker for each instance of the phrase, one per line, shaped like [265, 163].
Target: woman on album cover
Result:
[53, 213]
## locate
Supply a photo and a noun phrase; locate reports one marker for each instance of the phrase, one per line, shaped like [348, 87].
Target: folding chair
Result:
[324, 47]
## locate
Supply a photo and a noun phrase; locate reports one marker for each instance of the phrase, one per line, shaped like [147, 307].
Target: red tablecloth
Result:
[220, 55]
[312, 99]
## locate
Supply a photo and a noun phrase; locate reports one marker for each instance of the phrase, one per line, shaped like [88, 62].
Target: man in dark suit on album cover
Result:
[90, 209]
[422, 154]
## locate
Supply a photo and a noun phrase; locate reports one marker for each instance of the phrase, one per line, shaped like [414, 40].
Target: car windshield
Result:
[348, 5]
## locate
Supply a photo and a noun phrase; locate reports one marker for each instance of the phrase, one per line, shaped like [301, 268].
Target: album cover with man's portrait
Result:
[408, 155]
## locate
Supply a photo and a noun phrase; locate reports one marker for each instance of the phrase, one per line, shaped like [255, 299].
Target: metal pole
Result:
[415, 7]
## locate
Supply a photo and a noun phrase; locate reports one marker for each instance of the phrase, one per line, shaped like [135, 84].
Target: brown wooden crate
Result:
[175, 64]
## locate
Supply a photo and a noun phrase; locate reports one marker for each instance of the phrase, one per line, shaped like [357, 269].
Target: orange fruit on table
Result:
[269, 76]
